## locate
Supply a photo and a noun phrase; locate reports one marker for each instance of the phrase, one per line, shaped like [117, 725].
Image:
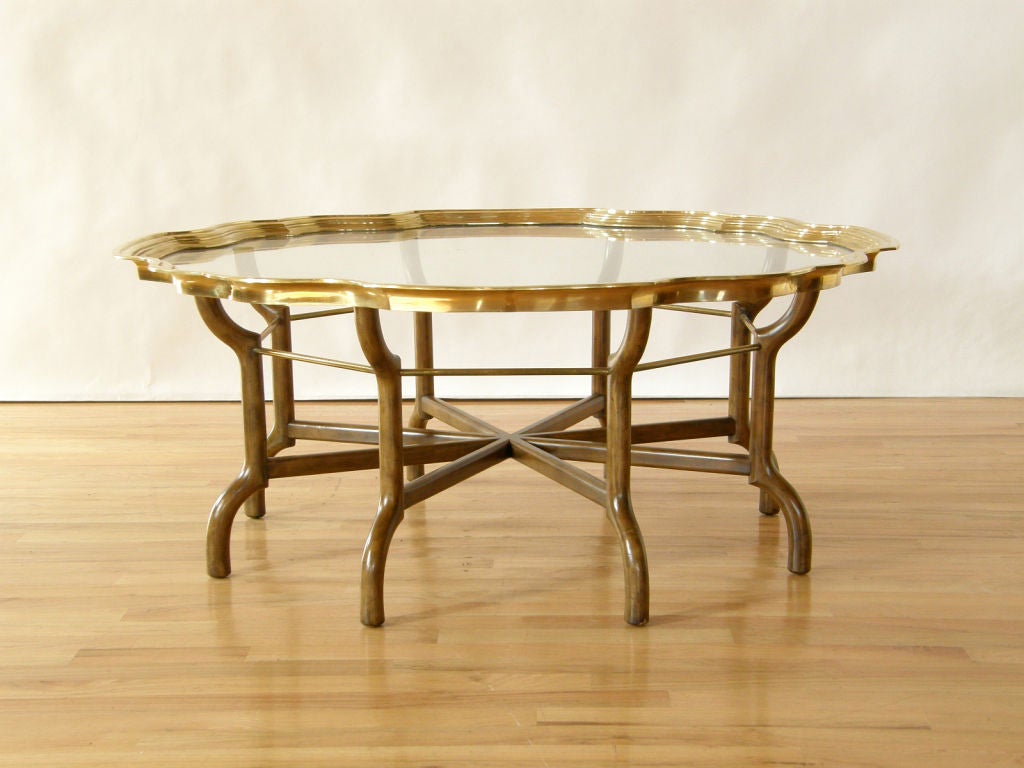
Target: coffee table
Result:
[542, 260]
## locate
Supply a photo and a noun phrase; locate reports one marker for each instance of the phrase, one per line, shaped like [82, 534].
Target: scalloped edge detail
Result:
[148, 254]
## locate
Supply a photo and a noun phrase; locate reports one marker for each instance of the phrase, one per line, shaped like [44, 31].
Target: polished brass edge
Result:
[855, 238]
[148, 254]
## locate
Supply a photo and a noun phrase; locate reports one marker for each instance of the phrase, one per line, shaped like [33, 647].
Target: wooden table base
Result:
[472, 445]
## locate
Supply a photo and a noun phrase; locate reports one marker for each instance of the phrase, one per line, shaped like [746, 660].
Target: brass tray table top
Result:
[526, 260]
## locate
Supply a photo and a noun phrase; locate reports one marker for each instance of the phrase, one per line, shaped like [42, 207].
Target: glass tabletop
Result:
[548, 260]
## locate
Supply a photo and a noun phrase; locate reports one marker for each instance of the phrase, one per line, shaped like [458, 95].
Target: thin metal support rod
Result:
[322, 313]
[387, 366]
[764, 470]
[253, 475]
[272, 323]
[314, 360]
[695, 310]
[424, 340]
[698, 357]
[739, 370]
[419, 372]
[617, 466]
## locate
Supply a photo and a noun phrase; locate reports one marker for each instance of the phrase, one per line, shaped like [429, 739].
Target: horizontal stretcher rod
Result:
[657, 432]
[326, 361]
[367, 458]
[434, 482]
[554, 468]
[322, 313]
[664, 458]
[696, 358]
[696, 310]
[568, 416]
[354, 433]
[504, 371]
[588, 371]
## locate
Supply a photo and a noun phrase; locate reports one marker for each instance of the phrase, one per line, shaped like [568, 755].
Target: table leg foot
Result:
[218, 529]
[256, 505]
[634, 560]
[767, 504]
[417, 420]
[375, 555]
[784, 496]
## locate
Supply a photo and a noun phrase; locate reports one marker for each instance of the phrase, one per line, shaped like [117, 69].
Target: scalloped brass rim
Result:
[149, 254]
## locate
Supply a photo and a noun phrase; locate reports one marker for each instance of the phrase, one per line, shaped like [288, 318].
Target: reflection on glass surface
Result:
[512, 256]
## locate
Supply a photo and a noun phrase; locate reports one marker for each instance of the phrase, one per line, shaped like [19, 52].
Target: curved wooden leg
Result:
[375, 554]
[783, 497]
[424, 335]
[387, 367]
[617, 466]
[776, 492]
[248, 486]
[218, 529]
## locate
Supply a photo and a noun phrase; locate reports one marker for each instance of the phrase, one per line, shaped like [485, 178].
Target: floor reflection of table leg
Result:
[618, 464]
[764, 469]
[387, 367]
[253, 476]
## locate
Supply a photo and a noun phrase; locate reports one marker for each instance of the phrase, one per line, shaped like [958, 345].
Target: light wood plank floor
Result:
[505, 644]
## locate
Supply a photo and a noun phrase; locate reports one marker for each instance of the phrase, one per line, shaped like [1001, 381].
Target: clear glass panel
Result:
[512, 256]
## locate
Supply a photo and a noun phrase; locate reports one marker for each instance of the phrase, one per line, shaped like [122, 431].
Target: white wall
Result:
[124, 117]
